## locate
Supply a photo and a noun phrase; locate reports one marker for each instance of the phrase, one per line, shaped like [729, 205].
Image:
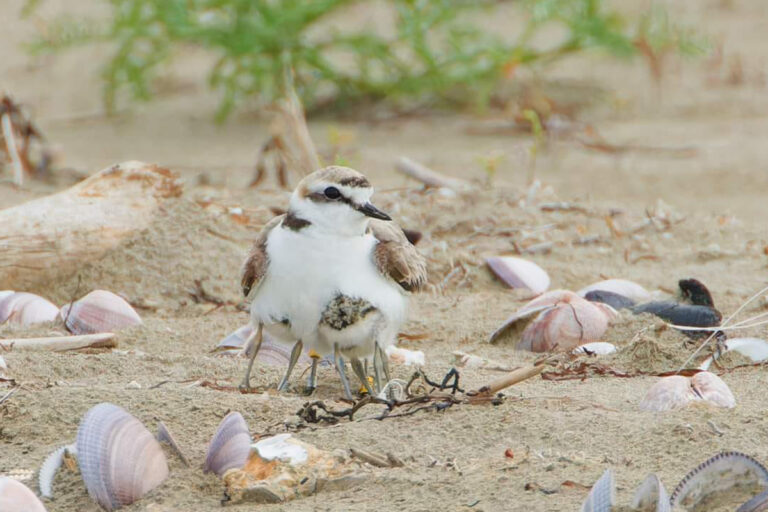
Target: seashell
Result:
[669, 393]
[712, 389]
[404, 356]
[23, 308]
[681, 314]
[17, 497]
[3, 365]
[753, 348]
[614, 300]
[230, 445]
[596, 347]
[520, 273]
[119, 459]
[541, 303]
[464, 360]
[651, 496]
[623, 287]
[50, 466]
[99, 311]
[757, 504]
[603, 494]
[716, 474]
[164, 436]
[568, 324]
[271, 352]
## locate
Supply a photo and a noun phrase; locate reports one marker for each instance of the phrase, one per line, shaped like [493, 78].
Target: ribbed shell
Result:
[99, 311]
[26, 308]
[120, 461]
[603, 494]
[17, 497]
[651, 496]
[230, 445]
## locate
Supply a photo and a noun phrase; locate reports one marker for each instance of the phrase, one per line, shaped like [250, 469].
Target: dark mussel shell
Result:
[615, 300]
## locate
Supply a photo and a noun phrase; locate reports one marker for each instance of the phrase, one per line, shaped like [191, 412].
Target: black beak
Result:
[371, 211]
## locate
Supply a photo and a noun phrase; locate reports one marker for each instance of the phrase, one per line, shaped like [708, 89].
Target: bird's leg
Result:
[312, 381]
[377, 369]
[384, 360]
[357, 366]
[339, 360]
[295, 354]
[257, 336]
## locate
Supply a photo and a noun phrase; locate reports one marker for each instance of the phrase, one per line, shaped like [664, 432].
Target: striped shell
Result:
[17, 497]
[717, 474]
[651, 496]
[50, 466]
[99, 311]
[520, 273]
[270, 353]
[628, 289]
[230, 445]
[23, 308]
[603, 494]
[120, 461]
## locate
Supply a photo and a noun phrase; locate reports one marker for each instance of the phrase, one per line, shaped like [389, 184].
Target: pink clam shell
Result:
[26, 309]
[519, 273]
[677, 391]
[230, 446]
[17, 497]
[99, 311]
[713, 389]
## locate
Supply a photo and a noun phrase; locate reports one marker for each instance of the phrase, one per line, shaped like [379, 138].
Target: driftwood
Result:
[429, 177]
[51, 237]
[59, 343]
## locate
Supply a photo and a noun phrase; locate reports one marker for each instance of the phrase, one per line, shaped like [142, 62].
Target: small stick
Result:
[506, 381]
[9, 394]
[429, 177]
[13, 150]
[370, 458]
[60, 343]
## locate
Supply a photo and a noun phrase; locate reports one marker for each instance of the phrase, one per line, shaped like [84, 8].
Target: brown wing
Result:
[255, 265]
[396, 257]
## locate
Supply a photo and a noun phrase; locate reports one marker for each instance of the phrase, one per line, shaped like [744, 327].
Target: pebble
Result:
[133, 385]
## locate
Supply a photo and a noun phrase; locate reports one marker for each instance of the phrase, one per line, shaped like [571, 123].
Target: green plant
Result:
[436, 53]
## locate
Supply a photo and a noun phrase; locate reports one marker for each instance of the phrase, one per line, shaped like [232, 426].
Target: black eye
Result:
[332, 193]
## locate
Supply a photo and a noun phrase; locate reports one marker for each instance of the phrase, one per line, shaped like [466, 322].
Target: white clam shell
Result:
[651, 496]
[230, 445]
[596, 347]
[50, 466]
[520, 273]
[755, 349]
[17, 497]
[628, 289]
[99, 311]
[120, 460]
[677, 391]
[23, 308]
[602, 496]
[717, 474]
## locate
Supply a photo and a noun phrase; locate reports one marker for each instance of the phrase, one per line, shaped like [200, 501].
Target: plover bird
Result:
[332, 275]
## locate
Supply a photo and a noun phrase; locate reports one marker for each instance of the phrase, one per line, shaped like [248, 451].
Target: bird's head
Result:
[337, 200]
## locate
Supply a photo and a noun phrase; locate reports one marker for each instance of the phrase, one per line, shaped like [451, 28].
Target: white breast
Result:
[306, 270]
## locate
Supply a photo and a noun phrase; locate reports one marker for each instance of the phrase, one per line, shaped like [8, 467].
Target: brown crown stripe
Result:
[355, 181]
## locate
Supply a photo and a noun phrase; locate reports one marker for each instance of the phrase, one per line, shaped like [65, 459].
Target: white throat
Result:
[338, 219]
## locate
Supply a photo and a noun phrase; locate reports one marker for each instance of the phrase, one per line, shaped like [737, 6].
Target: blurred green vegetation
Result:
[438, 52]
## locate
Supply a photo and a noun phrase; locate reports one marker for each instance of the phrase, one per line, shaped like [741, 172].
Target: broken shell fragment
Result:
[17, 497]
[623, 287]
[596, 347]
[164, 436]
[404, 356]
[677, 391]
[230, 445]
[716, 474]
[23, 308]
[602, 497]
[520, 273]
[119, 459]
[99, 311]
[651, 496]
[282, 468]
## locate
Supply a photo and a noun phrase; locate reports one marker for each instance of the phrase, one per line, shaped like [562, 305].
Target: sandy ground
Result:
[558, 431]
